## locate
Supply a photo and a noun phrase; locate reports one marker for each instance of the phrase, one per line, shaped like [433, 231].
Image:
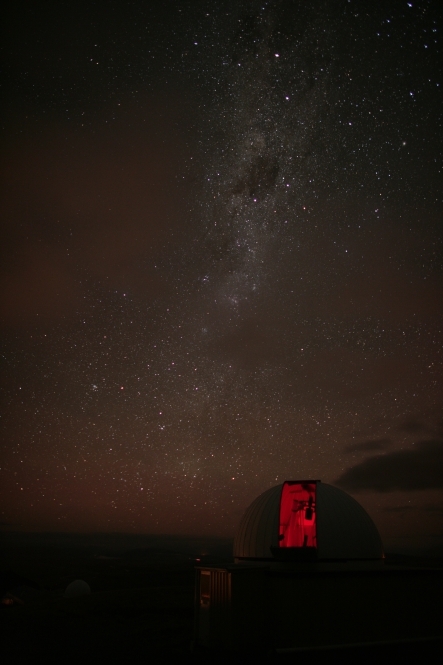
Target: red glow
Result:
[298, 524]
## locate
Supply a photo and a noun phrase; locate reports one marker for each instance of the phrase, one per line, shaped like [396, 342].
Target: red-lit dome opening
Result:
[306, 520]
[298, 524]
[297, 537]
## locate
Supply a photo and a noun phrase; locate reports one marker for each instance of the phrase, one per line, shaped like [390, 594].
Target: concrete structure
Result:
[309, 573]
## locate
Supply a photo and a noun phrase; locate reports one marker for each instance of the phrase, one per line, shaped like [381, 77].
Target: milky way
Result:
[222, 264]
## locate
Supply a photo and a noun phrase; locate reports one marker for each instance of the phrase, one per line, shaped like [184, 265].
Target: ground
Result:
[141, 610]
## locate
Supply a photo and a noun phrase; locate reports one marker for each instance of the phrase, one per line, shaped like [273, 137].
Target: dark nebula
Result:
[221, 262]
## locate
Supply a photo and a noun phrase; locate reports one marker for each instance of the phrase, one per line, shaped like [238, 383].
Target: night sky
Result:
[222, 252]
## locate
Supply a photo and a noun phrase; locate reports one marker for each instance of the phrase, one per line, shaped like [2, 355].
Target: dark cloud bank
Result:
[373, 444]
[418, 468]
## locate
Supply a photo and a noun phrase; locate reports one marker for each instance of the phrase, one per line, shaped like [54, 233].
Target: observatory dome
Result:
[77, 588]
[306, 520]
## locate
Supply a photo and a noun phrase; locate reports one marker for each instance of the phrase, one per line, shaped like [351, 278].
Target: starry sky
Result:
[221, 262]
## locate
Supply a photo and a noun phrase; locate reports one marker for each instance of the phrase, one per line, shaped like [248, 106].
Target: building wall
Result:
[343, 608]
[269, 609]
[234, 615]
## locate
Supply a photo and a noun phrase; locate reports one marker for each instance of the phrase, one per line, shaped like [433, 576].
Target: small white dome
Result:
[339, 527]
[77, 588]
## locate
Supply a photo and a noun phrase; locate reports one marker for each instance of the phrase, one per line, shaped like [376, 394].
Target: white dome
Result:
[342, 528]
[77, 588]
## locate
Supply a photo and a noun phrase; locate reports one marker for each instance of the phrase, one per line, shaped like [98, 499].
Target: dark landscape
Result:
[141, 606]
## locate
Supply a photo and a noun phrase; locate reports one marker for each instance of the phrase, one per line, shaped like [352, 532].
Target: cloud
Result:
[430, 508]
[418, 468]
[89, 207]
[375, 444]
[411, 426]
[38, 284]
[400, 509]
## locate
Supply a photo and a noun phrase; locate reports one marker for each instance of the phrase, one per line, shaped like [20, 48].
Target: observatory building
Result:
[309, 573]
[306, 521]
